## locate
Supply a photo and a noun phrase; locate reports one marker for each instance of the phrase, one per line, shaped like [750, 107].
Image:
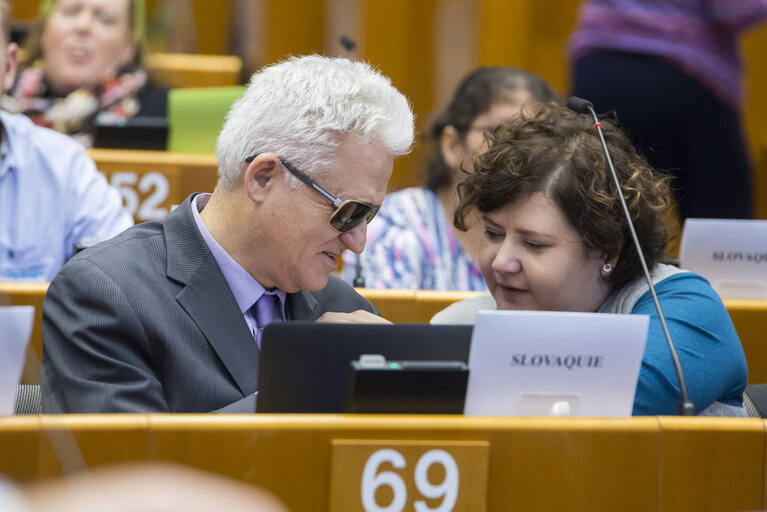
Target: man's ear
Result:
[9, 75]
[261, 175]
[451, 146]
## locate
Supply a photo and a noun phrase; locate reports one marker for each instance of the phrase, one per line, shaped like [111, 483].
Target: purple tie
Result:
[265, 313]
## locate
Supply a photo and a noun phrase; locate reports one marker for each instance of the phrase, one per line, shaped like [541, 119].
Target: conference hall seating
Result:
[418, 306]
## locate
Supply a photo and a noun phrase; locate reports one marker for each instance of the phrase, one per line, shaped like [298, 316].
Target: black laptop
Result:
[305, 366]
[136, 133]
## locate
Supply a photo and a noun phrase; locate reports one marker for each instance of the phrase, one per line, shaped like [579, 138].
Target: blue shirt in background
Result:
[51, 198]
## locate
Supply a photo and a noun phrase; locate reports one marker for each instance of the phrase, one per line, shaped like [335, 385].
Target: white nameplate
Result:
[730, 254]
[15, 329]
[546, 363]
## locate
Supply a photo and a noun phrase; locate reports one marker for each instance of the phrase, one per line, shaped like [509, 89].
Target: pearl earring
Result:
[607, 268]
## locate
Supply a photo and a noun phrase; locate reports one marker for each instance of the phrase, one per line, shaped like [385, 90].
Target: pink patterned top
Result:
[412, 245]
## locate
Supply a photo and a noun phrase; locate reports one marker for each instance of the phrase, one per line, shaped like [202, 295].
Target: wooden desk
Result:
[151, 182]
[418, 306]
[532, 464]
[412, 306]
[750, 320]
[193, 70]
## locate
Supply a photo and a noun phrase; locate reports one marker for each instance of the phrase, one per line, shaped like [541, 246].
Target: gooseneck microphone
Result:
[359, 281]
[581, 106]
[349, 45]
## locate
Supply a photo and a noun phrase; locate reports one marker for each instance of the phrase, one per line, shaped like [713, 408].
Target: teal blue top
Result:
[708, 347]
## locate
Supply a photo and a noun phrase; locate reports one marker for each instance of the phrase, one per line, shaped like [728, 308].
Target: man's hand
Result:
[358, 317]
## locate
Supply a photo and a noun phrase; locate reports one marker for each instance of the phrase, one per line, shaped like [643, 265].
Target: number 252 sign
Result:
[393, 476]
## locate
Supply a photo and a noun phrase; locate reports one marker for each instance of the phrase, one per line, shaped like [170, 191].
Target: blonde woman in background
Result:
[83, 65]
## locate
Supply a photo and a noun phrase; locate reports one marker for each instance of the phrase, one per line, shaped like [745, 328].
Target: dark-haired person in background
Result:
[411, 243]
[555, 238]
[674, 76]
[51, 196]
[83, 65]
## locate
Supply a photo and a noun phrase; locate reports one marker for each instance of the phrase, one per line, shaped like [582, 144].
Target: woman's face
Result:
[85, 41]
[459, 152]
[533, 259]
[511, 106]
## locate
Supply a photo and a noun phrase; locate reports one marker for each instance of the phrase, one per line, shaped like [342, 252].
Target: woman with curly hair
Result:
[411, 243]
[555, 238]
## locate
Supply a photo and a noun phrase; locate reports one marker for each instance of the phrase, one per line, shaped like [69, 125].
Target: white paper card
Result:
[731, 254]
[15, 330]
[548, 363]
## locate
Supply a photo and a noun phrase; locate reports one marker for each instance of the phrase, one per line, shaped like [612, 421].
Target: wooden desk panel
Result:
[20, 448]
[152, 182]
[699, 472]
[412, 306]
[545, 467]
[96, 440]
[750, 320]
[535, 464]
[193, 70]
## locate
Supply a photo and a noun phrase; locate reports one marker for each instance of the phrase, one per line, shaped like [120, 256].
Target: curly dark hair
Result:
[558, 152]
[475, 95]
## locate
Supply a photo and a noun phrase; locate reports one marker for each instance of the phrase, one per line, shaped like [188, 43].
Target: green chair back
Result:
[196, 116]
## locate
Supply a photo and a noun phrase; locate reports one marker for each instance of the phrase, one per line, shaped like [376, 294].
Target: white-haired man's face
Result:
[298, 248]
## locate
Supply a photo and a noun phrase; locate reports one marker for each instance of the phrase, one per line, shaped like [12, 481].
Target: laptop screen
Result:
[149, 133]
[304, 366]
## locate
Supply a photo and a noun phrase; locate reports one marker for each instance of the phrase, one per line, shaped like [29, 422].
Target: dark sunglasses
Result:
[347, 215]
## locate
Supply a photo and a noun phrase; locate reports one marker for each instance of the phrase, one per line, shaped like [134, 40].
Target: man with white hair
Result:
[167, 317]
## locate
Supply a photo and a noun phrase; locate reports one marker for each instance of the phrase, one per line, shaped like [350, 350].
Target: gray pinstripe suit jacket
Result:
[146, 322]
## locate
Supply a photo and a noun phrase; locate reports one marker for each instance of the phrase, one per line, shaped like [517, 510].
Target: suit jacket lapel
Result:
[302, 306]
[207, 298]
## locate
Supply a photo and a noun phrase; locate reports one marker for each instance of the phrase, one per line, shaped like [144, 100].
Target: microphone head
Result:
[579, 104]
[348, 43]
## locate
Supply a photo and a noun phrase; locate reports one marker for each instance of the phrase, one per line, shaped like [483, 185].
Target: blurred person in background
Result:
[83, 65]
[554, 238]
[674, 76]
[139, 487]
[51, 196]
[411, 242]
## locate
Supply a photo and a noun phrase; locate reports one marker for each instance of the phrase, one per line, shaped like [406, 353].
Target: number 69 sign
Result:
[425, 476]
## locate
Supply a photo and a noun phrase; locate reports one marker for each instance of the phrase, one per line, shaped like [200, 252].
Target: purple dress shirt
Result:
[246, 290]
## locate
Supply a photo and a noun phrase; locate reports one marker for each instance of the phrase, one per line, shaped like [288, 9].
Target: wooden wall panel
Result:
[398, 39]
[294, 28]
[755, 111]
